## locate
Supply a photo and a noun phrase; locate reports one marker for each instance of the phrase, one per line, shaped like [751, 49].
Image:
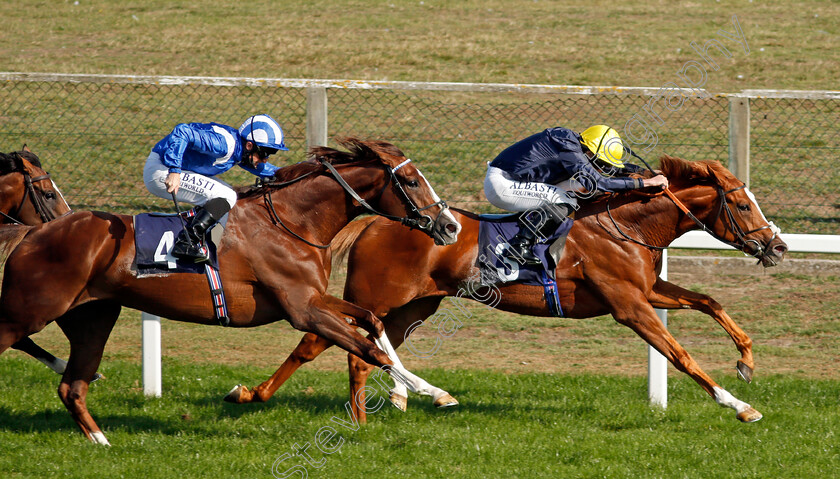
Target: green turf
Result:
[523, 425]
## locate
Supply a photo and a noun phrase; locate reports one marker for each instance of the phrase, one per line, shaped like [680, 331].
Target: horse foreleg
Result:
[87, 327]
[29, 347]
[630, 308]
[396, 324]
[309, 348]
[670, 296]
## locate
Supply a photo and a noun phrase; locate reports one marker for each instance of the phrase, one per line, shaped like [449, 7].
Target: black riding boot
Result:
[521, 245]
[190, 243]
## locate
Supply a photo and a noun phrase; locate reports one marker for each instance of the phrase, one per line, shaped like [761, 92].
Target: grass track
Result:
[524, 425]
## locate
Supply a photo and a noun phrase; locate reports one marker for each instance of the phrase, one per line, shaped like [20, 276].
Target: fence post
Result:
[316, 116]
[657, 364]
[739, 138]
[152, 383]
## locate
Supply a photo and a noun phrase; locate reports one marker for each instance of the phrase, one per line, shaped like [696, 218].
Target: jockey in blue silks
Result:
[185, 161]
[544, 175]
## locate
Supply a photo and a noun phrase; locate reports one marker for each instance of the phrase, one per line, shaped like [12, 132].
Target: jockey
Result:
[184, 162]
[544, 174]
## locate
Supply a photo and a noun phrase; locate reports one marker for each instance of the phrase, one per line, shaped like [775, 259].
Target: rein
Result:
[415, 219]
[741, 241]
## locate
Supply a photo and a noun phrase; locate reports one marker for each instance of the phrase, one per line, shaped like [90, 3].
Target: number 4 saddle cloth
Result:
[154, 237]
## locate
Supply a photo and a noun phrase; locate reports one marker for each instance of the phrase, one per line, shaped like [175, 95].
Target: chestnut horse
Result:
[610, 264]
[273, 260]
[28, 196]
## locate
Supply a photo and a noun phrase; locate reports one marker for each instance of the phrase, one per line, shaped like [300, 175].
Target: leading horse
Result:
[273, 259]
[609, 265]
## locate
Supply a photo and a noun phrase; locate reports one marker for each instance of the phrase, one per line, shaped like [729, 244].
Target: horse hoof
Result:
[744, 372]
[97, 376]
[238, 394]
[446, 401]
[749, 415]
[400, 401]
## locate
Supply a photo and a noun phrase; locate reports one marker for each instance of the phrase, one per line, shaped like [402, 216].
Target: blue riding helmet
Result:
[263, 131]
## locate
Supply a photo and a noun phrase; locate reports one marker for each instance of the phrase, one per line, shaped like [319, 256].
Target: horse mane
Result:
[358, 151]
[8, 164]
[681, 174]
[685, 173]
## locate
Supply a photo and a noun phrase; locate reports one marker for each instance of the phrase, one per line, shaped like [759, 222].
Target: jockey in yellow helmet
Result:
[551, 170]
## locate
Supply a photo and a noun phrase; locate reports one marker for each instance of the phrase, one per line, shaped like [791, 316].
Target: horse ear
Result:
[26, 148]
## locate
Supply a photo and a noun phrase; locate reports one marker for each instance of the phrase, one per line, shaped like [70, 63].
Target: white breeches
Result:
[195, 189]
[508, 194]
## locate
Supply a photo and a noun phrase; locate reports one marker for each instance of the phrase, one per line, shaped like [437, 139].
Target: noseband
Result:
[741, 240]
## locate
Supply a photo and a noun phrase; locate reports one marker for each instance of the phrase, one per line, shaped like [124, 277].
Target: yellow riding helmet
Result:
[605, 143]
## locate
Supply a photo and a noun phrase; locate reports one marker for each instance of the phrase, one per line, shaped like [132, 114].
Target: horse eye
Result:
[744, 207]
[49, 195]
[412, 183]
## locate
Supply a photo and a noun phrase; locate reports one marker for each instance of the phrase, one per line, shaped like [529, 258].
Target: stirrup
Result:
[521, 253]
[195, 252]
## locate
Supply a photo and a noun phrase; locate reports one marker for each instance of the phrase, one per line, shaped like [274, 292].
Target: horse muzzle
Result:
[770, 254]
[446, 229]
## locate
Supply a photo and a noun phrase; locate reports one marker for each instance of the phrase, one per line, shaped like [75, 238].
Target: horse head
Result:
[403, 193]
[27, 194]
[728, 210]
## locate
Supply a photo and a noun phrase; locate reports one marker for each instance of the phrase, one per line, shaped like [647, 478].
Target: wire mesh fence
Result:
[94, 135]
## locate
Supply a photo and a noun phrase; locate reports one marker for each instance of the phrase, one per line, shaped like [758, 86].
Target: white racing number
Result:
[164, 249]
[511, 273]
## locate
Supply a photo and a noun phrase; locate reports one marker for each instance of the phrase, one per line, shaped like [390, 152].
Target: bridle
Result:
[741, 242]
[415, 219]
[29, 192]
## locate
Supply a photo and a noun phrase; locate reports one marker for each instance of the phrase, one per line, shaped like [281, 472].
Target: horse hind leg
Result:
[28, 346]
[88, 328]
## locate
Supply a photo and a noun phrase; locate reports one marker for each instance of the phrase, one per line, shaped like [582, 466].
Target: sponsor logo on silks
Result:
[532, 186]
[197, 182]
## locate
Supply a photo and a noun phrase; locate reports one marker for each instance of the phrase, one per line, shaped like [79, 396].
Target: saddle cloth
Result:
[494, 235]
[154, 237]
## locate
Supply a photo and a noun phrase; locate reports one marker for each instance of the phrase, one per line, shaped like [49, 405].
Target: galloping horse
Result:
[610, 264]
[29, 196]
[273, 260]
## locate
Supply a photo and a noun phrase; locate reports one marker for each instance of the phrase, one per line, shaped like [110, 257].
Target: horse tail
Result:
[346, 237]
[10, 238]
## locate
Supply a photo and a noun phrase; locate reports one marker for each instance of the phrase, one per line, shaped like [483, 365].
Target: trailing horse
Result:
[28, 196]
[609, 265]
[273, 258]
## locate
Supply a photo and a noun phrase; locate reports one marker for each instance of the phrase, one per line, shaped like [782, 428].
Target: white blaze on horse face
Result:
[446, 213]
[60, 195]
[775, 229]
